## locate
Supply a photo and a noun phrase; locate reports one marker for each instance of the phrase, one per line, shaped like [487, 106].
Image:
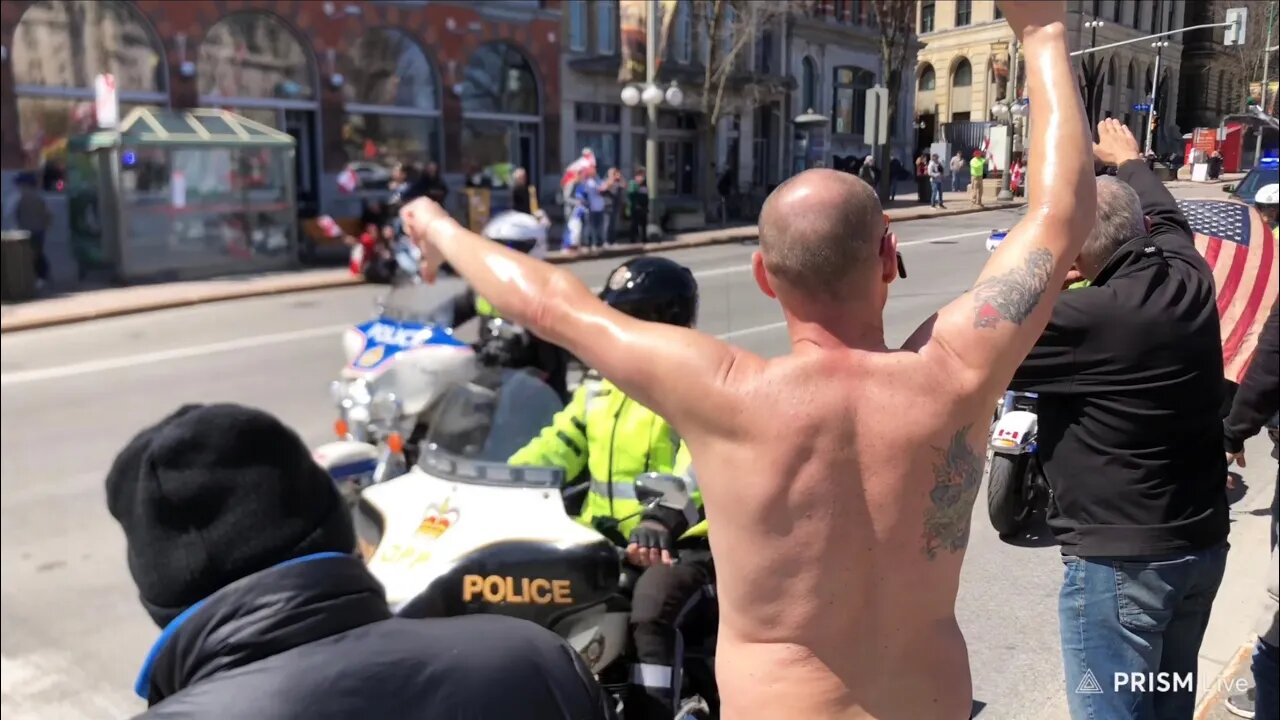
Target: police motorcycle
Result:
[1016, 485]
[465, 533]
[399, 362]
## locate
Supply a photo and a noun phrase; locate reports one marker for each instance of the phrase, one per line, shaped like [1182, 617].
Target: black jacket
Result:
[1258, 399]
[1130, 378]
[314, 640]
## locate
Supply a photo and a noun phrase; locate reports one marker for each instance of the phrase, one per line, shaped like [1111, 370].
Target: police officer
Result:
[523, 232]
[1267, 201]
[614, 439]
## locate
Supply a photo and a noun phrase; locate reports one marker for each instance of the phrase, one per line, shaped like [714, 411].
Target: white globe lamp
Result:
[631, 96]
[675, 96]
[651, 96]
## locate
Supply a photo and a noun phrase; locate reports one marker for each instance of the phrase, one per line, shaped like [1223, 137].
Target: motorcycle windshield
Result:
[474, 427]
[414, 303]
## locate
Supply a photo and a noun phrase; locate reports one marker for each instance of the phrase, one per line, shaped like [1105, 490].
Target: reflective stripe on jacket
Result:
[614, 438]
[484, 308]
[684, 469]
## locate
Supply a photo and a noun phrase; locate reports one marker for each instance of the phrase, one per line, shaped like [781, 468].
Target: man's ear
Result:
[889, 258]
[762, 278]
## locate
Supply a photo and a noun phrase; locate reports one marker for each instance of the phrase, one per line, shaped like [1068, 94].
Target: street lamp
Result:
[1159, 46]
[652, 97]
[1091, 73]
[1007, 110]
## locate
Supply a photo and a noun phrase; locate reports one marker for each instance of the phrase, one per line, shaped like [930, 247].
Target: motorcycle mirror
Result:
[666, 490]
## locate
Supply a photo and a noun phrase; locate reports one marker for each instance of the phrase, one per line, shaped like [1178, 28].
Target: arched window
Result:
[961, 90]
[1113, 72]
[252, 64]
[254, 55]
[1222, 90]
[850, 99]
[392, 104]
[1131, 78]
[809, 85]
[59, 47]
[501, 124]
[928, 79]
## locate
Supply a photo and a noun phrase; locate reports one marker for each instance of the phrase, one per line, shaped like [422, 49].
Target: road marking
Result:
[93, 366]
[26, 376]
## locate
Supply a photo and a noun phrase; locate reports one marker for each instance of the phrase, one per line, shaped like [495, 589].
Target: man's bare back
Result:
[838, 480]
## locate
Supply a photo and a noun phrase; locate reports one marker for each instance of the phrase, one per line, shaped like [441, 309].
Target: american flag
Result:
[1241, 250]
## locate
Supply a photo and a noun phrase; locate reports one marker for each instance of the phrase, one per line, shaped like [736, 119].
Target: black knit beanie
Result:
[214, 493]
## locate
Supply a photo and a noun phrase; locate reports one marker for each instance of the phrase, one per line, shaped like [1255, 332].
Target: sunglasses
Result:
[902, 266]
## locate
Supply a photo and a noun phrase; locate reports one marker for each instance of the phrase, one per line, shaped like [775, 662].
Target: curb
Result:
[299, 284]
[302, 283]
[1215, 698]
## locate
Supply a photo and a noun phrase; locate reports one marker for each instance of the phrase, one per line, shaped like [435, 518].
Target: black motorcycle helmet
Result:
[654, 289]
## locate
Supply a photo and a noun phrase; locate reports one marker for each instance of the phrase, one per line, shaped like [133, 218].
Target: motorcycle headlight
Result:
[384, 409]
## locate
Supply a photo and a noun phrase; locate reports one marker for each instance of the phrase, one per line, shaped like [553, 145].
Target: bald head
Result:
[819, 230]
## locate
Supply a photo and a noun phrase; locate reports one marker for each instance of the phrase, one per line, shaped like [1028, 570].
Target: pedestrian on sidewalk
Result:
[977, 171]
[957, 171]
[243, 550]
[638, 204]
[32, 215]
[922, 178]
[590, 194]
[869, 173]
[1131, 367]
[1256, 403]
[613, 200]
[936, 174]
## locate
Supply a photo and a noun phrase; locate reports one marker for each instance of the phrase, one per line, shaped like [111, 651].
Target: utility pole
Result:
[1266, 71]
[1011, 95]
[1090, 67]
[654, 229]
[1152, 114]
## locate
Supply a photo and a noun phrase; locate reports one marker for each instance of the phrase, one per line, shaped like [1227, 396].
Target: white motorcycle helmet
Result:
[1269, 195]
[518, 231]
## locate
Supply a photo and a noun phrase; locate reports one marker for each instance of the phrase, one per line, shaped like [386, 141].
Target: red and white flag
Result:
[586, 160]
[1241, 251]
[348, 180]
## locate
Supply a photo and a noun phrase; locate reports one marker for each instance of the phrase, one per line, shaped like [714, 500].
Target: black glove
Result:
[651, 535]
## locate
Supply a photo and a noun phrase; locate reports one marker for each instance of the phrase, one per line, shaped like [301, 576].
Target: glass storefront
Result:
[501, 125]
[59, 47]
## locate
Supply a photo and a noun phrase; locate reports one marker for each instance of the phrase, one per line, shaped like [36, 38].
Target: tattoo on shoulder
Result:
[957, 473]
[1012, 295]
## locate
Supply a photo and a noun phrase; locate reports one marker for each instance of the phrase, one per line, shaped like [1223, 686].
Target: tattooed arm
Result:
[980, 338]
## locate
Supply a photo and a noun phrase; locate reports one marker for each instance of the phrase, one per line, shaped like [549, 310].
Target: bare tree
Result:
[897, 21]
[1243, 64]
[728, 28]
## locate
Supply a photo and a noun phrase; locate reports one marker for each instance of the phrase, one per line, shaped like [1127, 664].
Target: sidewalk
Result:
[94, 304]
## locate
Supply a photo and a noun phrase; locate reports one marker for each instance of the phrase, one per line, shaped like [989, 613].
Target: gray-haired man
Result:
[1129, 372]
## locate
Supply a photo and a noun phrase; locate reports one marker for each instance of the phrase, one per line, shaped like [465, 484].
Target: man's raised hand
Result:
[1116, 144]
[1023, 15]
[424, 221]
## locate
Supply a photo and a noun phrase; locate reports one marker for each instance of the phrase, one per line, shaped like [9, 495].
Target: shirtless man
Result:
[839, 479]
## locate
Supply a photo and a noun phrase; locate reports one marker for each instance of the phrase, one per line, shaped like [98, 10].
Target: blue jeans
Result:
[594, 230]
[1131, 632]
[936, 198]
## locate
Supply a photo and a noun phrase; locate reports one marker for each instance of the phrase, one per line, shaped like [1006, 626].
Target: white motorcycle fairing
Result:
[1015, 433]
[414, 362]
[468, 536]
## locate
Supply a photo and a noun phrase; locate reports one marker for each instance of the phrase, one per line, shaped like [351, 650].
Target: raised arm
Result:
[677, 372]
[982, 336]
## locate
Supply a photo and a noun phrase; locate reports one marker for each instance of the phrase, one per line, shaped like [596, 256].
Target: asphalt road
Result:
[72, 633]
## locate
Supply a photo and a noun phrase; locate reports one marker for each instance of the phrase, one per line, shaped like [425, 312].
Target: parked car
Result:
[1263, 174]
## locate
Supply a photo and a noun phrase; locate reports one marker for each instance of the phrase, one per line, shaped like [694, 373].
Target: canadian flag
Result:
[347, 180]
[586, 160]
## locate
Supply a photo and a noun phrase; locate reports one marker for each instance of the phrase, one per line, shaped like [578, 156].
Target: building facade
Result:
[963, 66]
[1208, 73]
[473, 86]
[748, 139]
[835, 58]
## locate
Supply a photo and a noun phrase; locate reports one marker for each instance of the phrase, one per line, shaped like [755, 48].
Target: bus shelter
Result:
[182, 194]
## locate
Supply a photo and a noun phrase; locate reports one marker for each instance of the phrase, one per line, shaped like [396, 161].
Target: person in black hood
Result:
[244, 552]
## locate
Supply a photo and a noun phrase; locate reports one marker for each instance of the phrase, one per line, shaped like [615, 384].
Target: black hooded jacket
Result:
[313, 639]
